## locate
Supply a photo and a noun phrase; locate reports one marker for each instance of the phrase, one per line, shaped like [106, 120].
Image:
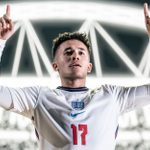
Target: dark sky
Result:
[111, 64]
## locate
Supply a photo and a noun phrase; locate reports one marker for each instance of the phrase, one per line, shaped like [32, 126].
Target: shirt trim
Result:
[79, 89]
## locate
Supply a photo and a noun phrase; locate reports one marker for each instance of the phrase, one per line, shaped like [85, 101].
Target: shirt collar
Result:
[79, 89]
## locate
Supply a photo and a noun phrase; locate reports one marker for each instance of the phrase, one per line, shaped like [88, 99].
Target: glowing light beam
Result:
[117, 49]
[18, 52]
[33, 51]
[95, 52]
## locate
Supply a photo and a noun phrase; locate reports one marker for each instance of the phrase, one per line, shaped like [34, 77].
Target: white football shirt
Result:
[75, 119]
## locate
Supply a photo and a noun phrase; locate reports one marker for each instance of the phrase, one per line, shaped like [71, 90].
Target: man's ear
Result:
[55, 67]
[90, 66]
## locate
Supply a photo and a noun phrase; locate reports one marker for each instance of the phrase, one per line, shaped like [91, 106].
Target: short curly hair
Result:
[69, 36]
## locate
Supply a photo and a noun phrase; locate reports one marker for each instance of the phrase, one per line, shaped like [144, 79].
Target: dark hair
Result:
[69, 36]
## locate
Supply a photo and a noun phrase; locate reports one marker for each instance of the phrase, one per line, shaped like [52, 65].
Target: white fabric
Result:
[52, 110]
[2, 45]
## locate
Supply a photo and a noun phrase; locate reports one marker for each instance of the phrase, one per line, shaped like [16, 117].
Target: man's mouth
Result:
[75, 65]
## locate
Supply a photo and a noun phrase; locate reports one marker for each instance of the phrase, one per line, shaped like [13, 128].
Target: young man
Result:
[72, 117]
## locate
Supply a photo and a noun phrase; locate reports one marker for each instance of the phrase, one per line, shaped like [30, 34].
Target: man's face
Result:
[72, 60]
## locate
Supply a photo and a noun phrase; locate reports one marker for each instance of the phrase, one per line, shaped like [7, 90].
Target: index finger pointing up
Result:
[8, 11]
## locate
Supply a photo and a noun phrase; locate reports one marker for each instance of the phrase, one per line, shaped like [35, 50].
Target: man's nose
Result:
[75, 56]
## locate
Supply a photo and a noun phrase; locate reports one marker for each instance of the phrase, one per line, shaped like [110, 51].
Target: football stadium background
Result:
[121, 55]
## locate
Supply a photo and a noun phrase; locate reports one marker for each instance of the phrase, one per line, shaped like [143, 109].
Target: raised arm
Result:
[6, 25]
[19, 100]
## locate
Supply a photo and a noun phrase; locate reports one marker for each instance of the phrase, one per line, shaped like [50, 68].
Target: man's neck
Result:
[73, 83]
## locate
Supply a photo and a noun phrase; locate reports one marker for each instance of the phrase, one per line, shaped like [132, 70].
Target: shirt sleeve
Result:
[129, 98]
[2, 45]
[19, 100]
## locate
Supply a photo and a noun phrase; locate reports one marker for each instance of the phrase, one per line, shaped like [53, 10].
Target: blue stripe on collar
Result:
[79, 89]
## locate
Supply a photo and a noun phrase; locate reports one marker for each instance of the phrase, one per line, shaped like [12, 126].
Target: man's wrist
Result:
[2, 42]
[2, 45]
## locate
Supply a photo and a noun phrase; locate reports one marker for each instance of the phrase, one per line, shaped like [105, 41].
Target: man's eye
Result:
[81, 53]
[68, 53]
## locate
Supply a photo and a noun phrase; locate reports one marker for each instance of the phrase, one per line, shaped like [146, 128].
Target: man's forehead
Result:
[72, 42]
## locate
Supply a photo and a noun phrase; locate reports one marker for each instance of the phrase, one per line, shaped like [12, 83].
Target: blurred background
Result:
[120, 56]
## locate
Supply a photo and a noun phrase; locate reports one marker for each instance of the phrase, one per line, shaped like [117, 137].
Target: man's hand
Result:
[6, 25]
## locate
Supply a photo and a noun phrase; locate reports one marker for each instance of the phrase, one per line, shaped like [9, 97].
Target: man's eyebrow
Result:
[67, 48]
[83, 49]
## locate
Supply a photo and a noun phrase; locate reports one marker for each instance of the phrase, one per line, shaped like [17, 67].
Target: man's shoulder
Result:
[106, 88]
